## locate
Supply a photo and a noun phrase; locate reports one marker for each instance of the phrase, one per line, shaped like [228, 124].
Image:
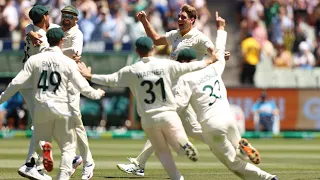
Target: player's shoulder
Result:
[172, 33]
[52, 25]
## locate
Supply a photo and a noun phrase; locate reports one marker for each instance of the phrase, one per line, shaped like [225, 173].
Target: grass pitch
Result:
[289, 159]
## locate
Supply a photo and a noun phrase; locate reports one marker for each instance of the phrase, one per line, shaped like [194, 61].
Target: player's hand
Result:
[84, 70]
[220, 22]
[142, 16]
[227, 55]
[35, 38]
[76, 57]
[101, 92]
[213, 58]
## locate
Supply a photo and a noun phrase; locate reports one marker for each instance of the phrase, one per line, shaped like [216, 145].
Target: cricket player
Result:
[49, 73]
[187, 36]
[150, 81]
[72, 47]
[40, 17]
[206, 92]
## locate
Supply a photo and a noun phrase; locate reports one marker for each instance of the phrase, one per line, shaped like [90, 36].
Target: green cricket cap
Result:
[186, 55]
[144, 44]
[70, 9]
[36, 13]
[55, 34]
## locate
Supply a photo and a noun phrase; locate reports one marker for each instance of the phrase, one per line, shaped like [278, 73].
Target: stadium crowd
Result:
[283, 31]
[106, 20]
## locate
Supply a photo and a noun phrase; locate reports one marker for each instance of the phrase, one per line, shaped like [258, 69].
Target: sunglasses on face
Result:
[67, 16]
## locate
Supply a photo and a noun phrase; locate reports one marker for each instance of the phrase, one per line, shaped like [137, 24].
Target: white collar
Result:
[53, 49]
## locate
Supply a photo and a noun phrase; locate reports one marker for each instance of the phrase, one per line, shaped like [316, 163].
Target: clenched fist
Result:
[142, 16]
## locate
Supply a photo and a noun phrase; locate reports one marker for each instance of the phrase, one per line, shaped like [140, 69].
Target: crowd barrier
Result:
[139, 134]
[299, 108]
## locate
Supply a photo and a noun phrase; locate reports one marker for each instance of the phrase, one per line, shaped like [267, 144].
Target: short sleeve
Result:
[170, 35]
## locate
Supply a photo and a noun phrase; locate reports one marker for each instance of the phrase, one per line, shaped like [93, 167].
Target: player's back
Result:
[150, 82]
[51, 73]
[209, 94]
[30, 49]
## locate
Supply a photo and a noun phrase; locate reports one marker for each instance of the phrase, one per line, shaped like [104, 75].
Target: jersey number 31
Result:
[150, 90]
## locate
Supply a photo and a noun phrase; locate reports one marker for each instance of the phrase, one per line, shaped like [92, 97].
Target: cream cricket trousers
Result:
[28, 97]
[222, 136]
[166, 129]
[49, 122]
[82, 139]
[191, 126]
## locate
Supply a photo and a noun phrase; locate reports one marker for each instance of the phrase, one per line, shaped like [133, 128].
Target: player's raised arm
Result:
[220, 24]
[18, 82]
[113, 80]
[179, 69]
[83, 86]
[221, 41]
[156, 38]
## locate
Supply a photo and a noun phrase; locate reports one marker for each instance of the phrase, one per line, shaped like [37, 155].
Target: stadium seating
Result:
[287, 78]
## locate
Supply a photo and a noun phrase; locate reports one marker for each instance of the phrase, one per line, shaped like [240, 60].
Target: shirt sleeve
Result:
[255, 107]
[182, 95]
[206, 42]
[28, 29]
[116, 79]
[17, 82]
[169, 36]
[82, 85]
[221, 41]
[178, 69]
[77, 43]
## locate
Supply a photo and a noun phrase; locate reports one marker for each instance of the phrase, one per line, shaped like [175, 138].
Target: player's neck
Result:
[42, 26]
[185, 31]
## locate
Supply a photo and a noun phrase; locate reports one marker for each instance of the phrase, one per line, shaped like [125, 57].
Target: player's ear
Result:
[192, 20]
[76, 20]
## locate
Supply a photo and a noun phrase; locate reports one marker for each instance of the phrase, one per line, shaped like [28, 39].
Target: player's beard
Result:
[66, 24]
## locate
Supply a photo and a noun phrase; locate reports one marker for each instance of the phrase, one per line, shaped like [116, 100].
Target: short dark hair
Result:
[37, 21]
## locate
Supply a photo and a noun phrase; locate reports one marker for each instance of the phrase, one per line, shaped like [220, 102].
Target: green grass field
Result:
[289, 159]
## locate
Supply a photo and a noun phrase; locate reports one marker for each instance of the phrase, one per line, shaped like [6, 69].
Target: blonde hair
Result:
[191, 11]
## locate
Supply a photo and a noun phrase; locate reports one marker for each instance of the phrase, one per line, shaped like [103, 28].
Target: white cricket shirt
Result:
[150, 82]
[194, 39]
[49, 73]
[204, 89]
[73, 41]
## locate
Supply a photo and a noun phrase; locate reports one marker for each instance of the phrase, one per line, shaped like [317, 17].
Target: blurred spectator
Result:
[259, 33]
[115, 27]
[266, 114]
[270, 13]
[204, 18]
[304, 58]
[254, 10]
[134, 28]
[10, 16]
[89, 7]
[99, 24]
[283, 58]
[3, 113]
[268, 51]
[86, 26]
[16, 113]
[251, 56]
[170, 20]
